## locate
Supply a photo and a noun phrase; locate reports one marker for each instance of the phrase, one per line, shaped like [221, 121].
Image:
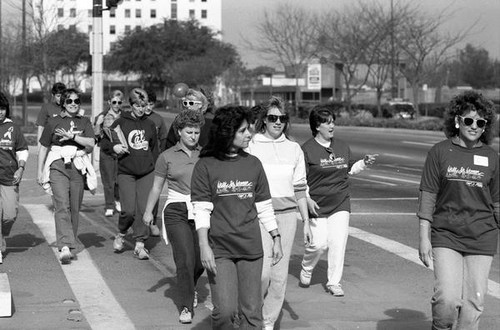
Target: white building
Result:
[129, 14]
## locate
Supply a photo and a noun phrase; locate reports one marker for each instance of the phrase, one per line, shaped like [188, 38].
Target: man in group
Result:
[51, 109]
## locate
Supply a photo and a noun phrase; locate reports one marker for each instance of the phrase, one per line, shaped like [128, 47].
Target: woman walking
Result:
[283, 162]
[173, 169]
[230, 195]
[459, 208]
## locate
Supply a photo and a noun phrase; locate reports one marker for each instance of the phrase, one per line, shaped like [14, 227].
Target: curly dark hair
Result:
[273, 102]
[4, 104]
[188, 118]
[225, 124]
[66, 93]
[58, 88]
[319, 114]
[464, 103]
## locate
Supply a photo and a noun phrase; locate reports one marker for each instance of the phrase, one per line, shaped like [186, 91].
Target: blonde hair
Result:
[195, 95]
[116, 93]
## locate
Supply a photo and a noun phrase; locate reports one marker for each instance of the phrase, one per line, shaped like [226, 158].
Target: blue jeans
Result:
[182, 235]
[460, 284]
[108, 166]
[236, 290]
[67, 185]
[134, 192]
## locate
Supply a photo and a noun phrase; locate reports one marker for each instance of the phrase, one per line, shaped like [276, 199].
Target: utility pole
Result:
[393, 75]
[23, 67]
[97, 76]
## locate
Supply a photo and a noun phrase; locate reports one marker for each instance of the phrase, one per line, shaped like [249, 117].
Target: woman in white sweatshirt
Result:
[283, 162]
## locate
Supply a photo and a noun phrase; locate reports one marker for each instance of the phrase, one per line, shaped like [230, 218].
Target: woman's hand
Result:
[147, 218]
[307, 233]
[208, 259]
[370, 159]
[120, 149]
[425, 251]
[277, 250]
[18, 175]
[312, 206]
[64, 134]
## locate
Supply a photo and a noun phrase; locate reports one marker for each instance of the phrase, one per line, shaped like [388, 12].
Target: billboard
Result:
[314, 76]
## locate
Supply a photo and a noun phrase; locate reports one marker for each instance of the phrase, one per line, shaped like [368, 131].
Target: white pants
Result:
[328, 234]
[274, 278]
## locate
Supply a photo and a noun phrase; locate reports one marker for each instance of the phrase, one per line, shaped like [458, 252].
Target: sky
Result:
[240, 16]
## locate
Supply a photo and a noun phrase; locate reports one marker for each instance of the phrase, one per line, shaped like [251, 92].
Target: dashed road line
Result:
[101, 309]
[405, 252]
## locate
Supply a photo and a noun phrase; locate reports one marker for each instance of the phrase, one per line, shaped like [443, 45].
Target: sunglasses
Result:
[469, 121]
[75, 101]
[190, 103]
[116, 102]
[274, 118]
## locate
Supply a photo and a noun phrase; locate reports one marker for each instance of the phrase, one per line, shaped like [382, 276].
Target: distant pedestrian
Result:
[194, 100]
[64, 168]
[13, 157]
[283, 162]
[108, 161]
[329, 164]
[51, 109]
[459, 212]
[174, 169]
[137, 150]
[230, 195]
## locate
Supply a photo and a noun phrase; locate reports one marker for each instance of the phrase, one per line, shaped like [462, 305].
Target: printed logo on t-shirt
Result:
[74, 129]
[6, 141]
[242, 189]
[137, 141]
[467, 175]
[338, 162]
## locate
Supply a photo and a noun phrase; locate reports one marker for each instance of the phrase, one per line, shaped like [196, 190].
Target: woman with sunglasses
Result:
[108, 163]
[283, 162]
[230, 195]
[137, 150]
[194, 100]
[329, 164]
[459, 207]
[66, 141]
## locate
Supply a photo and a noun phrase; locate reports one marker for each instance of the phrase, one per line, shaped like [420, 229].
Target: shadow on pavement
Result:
[413, 320]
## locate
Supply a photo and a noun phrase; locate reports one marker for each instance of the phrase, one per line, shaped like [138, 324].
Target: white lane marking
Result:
[374, 181]
[386, 199]
[96, 300]
[393, 178]
[396, 155]
[405, 252]
[419, 143]
[402, 167]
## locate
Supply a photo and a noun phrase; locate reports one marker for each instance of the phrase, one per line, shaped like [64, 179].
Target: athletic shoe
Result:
[195, 300]
[108, 213]
[140, 251]
[1, 258]
[185, 317]
[336, 290]
[154, 230]
[4, 245]
[118, 206]
[118, 242]
[305, 278]
[65, 255]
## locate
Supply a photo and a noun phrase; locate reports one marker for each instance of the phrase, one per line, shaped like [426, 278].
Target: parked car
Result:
[399, 109]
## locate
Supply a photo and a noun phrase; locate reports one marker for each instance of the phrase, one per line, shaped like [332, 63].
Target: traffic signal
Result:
[112, 3]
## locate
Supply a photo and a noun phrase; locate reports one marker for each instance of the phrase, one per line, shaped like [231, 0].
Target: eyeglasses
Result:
[75, 101]
[116, 102]
[274, 118]
[190, 103]
[469, 121]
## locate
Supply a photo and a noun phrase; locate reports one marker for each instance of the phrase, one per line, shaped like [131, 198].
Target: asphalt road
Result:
[386, 286]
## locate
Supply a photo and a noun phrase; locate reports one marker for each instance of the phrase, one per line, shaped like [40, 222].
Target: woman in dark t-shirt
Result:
[459, 207]
[230, 195]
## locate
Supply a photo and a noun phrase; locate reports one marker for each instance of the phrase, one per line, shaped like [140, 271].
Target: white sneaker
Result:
[65, 255]
[118, 242]
[140, 251]
[185, 317]
[108, 213]
[118, 206]
[305, 278]
[195, 300]
[336, 290]
[1, 258]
